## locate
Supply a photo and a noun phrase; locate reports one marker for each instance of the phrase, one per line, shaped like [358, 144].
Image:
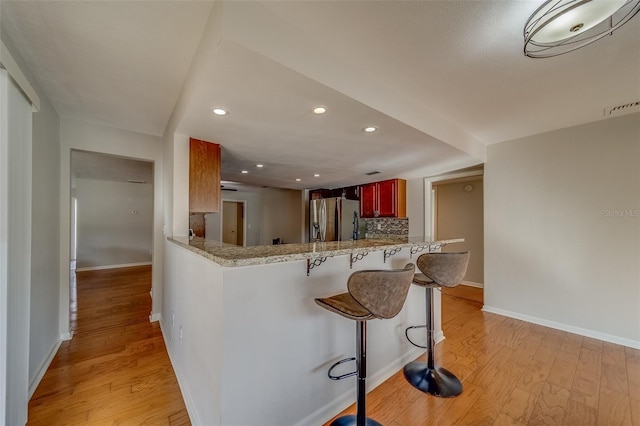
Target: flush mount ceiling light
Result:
[259, 166]
[370, 129]
[319, 110]
[219, 111]
[244, 172]
[316, 175]
[298, 179]
[561, 26]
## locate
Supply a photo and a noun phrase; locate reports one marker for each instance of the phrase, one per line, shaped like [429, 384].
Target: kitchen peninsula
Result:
[247, 341]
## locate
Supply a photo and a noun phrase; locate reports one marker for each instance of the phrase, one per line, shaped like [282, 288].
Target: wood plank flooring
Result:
[116, 369]
[515, 373]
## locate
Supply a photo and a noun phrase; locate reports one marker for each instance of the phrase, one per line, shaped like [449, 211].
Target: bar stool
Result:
[438, 270]
[371, 294]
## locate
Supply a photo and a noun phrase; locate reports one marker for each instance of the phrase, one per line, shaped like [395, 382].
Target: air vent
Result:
[375, 172]
[622, 109]
[136, 181]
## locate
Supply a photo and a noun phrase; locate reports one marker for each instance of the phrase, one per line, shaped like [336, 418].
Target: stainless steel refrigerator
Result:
[335, 219]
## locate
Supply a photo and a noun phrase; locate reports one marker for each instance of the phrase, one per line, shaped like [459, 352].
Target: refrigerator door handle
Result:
[322, 218]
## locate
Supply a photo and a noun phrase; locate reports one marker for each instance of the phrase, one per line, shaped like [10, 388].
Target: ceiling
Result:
[440, 80]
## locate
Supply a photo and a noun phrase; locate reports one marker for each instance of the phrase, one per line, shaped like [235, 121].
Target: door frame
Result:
[430, 201]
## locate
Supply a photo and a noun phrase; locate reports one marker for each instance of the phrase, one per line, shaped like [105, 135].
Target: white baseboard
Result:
[157, 316]
[123, 265]
[472, 284]
[184, 388]
[564, 327]
[43, 368]
[67, 335]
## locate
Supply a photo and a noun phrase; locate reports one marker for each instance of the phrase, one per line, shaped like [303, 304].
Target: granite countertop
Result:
[232, 255]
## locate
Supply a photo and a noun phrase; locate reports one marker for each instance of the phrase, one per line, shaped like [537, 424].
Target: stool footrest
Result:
[342, 376]
[406, 333]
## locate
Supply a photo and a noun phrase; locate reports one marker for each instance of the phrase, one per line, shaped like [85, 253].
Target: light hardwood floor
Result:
[116, 369]
[515, 373]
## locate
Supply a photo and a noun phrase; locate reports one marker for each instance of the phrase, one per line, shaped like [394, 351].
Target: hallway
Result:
[116, 369]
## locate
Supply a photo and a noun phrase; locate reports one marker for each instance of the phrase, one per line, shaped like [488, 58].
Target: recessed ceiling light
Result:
[298, 179]
[370, 129]
[244, 172]
[259, 166]
[219, 111]
[316, 175]
[319, 110]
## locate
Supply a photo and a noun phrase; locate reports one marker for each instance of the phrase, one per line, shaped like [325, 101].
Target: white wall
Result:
[562, 229]
[45, 242]
[115, 223]
[415, 207]
[43, 335]
[15, 248]
[89, 137]
[192, 326]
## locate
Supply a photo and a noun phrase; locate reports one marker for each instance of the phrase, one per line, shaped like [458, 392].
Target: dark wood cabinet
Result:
[317, 194]
[386, 198]
[352, 192]
[204, 176]
[368, 200]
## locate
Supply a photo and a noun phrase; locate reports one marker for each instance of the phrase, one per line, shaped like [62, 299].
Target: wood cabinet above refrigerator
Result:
[204, 176]
[387, 198]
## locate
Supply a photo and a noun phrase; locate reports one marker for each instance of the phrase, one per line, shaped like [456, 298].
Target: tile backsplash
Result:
[386, 227]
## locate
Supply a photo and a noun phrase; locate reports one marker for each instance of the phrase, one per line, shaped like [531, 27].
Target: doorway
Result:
[233, 223]
[454, 209]
[112, 215]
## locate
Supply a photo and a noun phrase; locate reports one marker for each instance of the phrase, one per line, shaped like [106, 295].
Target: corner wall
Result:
[562, 229]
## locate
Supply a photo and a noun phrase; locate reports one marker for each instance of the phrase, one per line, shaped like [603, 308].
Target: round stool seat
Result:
[344, 304]
[422, 280]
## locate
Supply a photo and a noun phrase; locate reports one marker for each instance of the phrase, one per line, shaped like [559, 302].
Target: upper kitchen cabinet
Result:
[387, 198]
[204, 176]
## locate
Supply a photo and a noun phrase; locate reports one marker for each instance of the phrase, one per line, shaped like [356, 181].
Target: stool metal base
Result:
[352, 420]
[436, 381]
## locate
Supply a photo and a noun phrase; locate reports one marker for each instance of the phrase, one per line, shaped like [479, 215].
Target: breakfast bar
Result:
[244, 332]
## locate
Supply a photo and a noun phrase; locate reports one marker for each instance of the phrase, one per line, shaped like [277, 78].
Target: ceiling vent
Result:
[375, 172]
[622, 109]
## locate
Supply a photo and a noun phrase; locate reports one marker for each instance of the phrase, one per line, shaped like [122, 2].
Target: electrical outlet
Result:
[180, 334]
[379, 226]
[173, 319]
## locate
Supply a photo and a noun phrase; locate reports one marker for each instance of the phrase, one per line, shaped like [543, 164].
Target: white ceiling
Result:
[441, 79]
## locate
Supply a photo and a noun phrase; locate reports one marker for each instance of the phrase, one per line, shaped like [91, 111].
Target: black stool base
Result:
[352, 420]
[436, 381]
